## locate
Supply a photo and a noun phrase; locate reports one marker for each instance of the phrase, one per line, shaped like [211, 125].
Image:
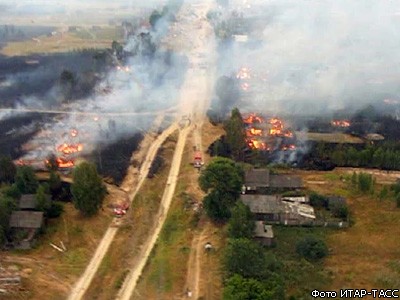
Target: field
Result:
[47, 273]
[63, 41]
[338, 137]
[365, 255]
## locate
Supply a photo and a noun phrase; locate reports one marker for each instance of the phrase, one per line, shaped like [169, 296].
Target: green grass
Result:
[300, 275]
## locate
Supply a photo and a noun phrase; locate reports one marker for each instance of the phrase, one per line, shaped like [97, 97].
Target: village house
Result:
[261, 181]
[272, 209]
[24, 226]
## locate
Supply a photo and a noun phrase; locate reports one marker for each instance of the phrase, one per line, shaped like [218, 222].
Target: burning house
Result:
[268, 134]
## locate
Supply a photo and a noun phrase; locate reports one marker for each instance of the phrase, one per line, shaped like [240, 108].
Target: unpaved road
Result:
[80, 288]
[195, 95]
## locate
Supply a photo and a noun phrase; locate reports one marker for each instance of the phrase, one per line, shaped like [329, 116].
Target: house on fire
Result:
[261, 181]
[273, 209]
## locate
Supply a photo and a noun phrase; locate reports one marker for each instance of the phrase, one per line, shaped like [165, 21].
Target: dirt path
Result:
[132, 278]
[83, 283]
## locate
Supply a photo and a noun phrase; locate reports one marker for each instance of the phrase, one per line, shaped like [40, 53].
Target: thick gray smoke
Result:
[316, 56]
[143, 81]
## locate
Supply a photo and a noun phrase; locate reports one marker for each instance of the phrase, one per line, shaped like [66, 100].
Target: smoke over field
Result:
[311, 56]
[108, 96]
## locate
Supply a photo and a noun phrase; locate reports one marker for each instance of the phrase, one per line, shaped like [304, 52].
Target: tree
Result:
[312, 248]
[223, 179]
[244, 257]
[7, 205]
[55, 185]
[51, 162]
[217, 204]
[241, 223]
[88, 190]
[7, 170]
[222, 174]
[236, 135]
[154, 18]
[42, 202]
[26, 180]
[365, 182]
[240, 288]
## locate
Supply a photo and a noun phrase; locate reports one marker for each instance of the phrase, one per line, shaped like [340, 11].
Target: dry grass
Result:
[52, 272]
[56, 44]
[137, 226]
[337, 137]
[366, 254]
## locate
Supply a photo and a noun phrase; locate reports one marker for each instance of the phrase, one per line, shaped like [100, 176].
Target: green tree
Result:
[397, 198]
[42, 201]
[244, 257]
[365, 182]
[312, 248]
[55, 185]
[88, 190]
[7, 170]
[384, 193]
[7, 205]
[26, 180]
[240, 288]
[11, 191]
[222, 174]
[241, 223]
[217, 204]
[236, 135]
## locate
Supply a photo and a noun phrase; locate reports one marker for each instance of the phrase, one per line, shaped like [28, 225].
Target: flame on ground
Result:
[69, 149]
[340, 123]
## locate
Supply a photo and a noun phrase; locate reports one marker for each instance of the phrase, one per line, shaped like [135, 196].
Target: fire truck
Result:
[198, 160]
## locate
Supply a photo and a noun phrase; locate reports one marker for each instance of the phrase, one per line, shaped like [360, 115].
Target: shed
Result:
[27, 201]
[24, 226]
[26, 219]
[264, 234]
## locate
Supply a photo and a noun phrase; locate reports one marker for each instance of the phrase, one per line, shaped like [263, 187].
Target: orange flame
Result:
[64, 163]
[69, 149]
[340, 123]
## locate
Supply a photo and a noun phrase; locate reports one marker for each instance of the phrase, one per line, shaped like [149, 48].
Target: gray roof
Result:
[263, 231]
[26, 219]
[257, 177]
[262, 203]
[285, 181]
[27, 201]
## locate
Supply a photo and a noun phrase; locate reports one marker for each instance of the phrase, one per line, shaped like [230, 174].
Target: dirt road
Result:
[83, 283]
[194, 100]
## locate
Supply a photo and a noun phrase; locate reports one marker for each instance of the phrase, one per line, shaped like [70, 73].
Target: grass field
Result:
[336, 137]
[365, 255]
[86, 38]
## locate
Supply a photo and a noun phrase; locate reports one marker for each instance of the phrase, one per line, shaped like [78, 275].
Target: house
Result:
[261, 181]
[28, 201]
[264, 234]
[24, 226]
[273, 210]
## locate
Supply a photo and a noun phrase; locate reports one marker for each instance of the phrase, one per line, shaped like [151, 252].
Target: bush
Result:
[340, 210]
[312, 248]
[55, 210]
[317, 200]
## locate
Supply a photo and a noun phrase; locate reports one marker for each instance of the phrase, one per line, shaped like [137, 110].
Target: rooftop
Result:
[263, 231]
[26, 219]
